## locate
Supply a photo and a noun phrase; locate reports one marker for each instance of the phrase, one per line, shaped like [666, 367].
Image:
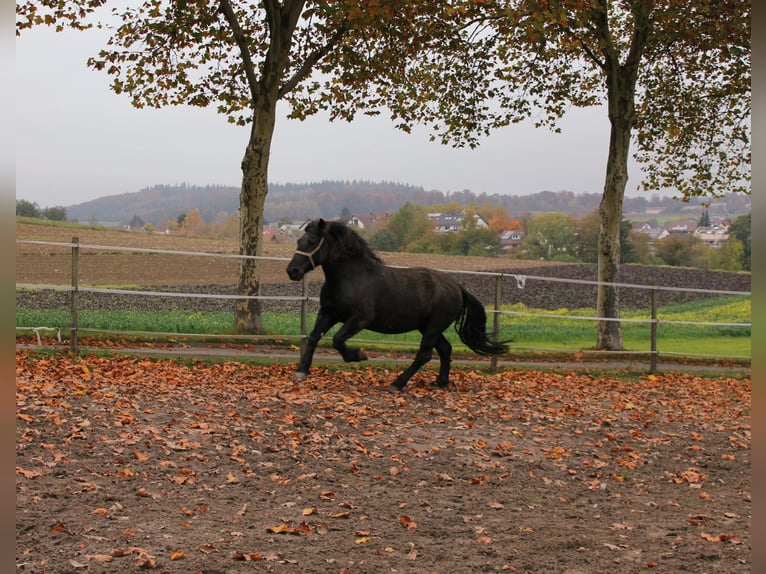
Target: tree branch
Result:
[311, 61]
[240, 38]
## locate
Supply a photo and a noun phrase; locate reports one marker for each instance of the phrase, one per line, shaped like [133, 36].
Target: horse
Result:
[361, 292]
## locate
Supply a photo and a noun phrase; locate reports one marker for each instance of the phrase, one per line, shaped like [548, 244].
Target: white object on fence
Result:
[38, 329]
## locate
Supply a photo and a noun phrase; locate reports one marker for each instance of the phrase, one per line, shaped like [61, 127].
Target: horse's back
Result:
[414, 298]
[421, 282]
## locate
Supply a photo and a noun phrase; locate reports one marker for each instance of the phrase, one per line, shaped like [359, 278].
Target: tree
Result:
[682, 251]
[136, 222]
[345, 214]
[408, 224]
[641, 251]
[478, 241]
[627, 249]
[193, 223]
[26, 208]
[674, 76]
[384, 240]
[57, 213]
[740, 230]
[704, 220]
[241, 57]
[586, 242]
[501, 222]
[230, 227]
[729, 256]
[549, 235]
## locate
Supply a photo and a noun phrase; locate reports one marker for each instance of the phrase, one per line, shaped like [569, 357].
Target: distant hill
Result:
[300, 201]
[327, 199]
[157, 204]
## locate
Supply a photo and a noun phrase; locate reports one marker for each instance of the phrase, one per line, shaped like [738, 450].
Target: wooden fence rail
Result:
[75, 290]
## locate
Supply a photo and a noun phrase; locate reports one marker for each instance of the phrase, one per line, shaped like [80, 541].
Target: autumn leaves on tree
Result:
[673, 76]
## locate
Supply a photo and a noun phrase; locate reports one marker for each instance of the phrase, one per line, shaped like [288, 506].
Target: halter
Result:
[311, 255]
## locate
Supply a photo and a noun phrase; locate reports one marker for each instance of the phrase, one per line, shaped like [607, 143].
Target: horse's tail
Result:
[471, 326]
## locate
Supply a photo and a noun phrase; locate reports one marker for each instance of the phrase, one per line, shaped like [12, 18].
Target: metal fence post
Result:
[74, 294]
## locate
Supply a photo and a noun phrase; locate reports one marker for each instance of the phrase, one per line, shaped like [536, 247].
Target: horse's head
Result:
[309, 253]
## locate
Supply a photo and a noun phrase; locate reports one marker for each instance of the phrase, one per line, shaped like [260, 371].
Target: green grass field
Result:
[529, 329]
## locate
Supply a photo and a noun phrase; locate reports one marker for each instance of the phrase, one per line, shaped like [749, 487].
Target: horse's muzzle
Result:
[295, 273]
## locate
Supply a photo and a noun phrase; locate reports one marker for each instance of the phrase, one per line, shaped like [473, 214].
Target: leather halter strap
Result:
[311, 254]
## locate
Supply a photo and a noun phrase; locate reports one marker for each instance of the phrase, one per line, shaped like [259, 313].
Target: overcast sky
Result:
[76, 141]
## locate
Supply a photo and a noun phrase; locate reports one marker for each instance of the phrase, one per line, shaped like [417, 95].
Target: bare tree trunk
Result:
[610, 213]
[621, 91]
[281, 19]
[252, 197]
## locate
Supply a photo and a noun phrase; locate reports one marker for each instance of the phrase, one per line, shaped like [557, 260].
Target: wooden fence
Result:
[304, 299]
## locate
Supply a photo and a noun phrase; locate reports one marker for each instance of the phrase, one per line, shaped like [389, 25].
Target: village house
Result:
[512, 239]
[368, 220]
[682, 228]
[652, 229]
[713, 235]
[453, 222]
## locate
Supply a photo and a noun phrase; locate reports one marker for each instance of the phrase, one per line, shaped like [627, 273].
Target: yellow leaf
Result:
[177, 554]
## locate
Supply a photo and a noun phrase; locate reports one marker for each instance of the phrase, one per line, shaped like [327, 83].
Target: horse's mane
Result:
[347, 243]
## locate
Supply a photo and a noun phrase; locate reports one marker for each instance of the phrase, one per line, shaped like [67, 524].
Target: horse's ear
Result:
[321, 224]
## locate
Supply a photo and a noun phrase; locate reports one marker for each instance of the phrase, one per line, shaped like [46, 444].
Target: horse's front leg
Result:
[323, 323]
[348, 330]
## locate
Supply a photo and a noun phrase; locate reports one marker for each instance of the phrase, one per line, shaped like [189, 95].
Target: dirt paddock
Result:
[127, 464]
[130, 464]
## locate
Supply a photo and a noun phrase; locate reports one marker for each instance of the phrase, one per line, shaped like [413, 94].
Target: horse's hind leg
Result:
[444, 349]
[423, 355]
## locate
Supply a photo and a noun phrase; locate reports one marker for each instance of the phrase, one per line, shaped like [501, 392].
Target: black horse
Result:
[363, 293]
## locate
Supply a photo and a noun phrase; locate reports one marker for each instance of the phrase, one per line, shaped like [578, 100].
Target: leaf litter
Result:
[131, 464]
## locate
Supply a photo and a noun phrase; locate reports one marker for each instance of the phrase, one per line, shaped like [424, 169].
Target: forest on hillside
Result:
[300, 201]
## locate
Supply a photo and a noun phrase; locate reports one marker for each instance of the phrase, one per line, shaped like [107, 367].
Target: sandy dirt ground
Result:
[129, 463]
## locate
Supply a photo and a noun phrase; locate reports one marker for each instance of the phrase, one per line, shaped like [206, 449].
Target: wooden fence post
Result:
[653, 362]
[304, 312]
[74, 294]
[496, 317]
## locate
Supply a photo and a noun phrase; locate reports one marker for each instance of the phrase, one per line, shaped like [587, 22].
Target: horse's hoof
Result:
[393, 389]
[298, 376]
